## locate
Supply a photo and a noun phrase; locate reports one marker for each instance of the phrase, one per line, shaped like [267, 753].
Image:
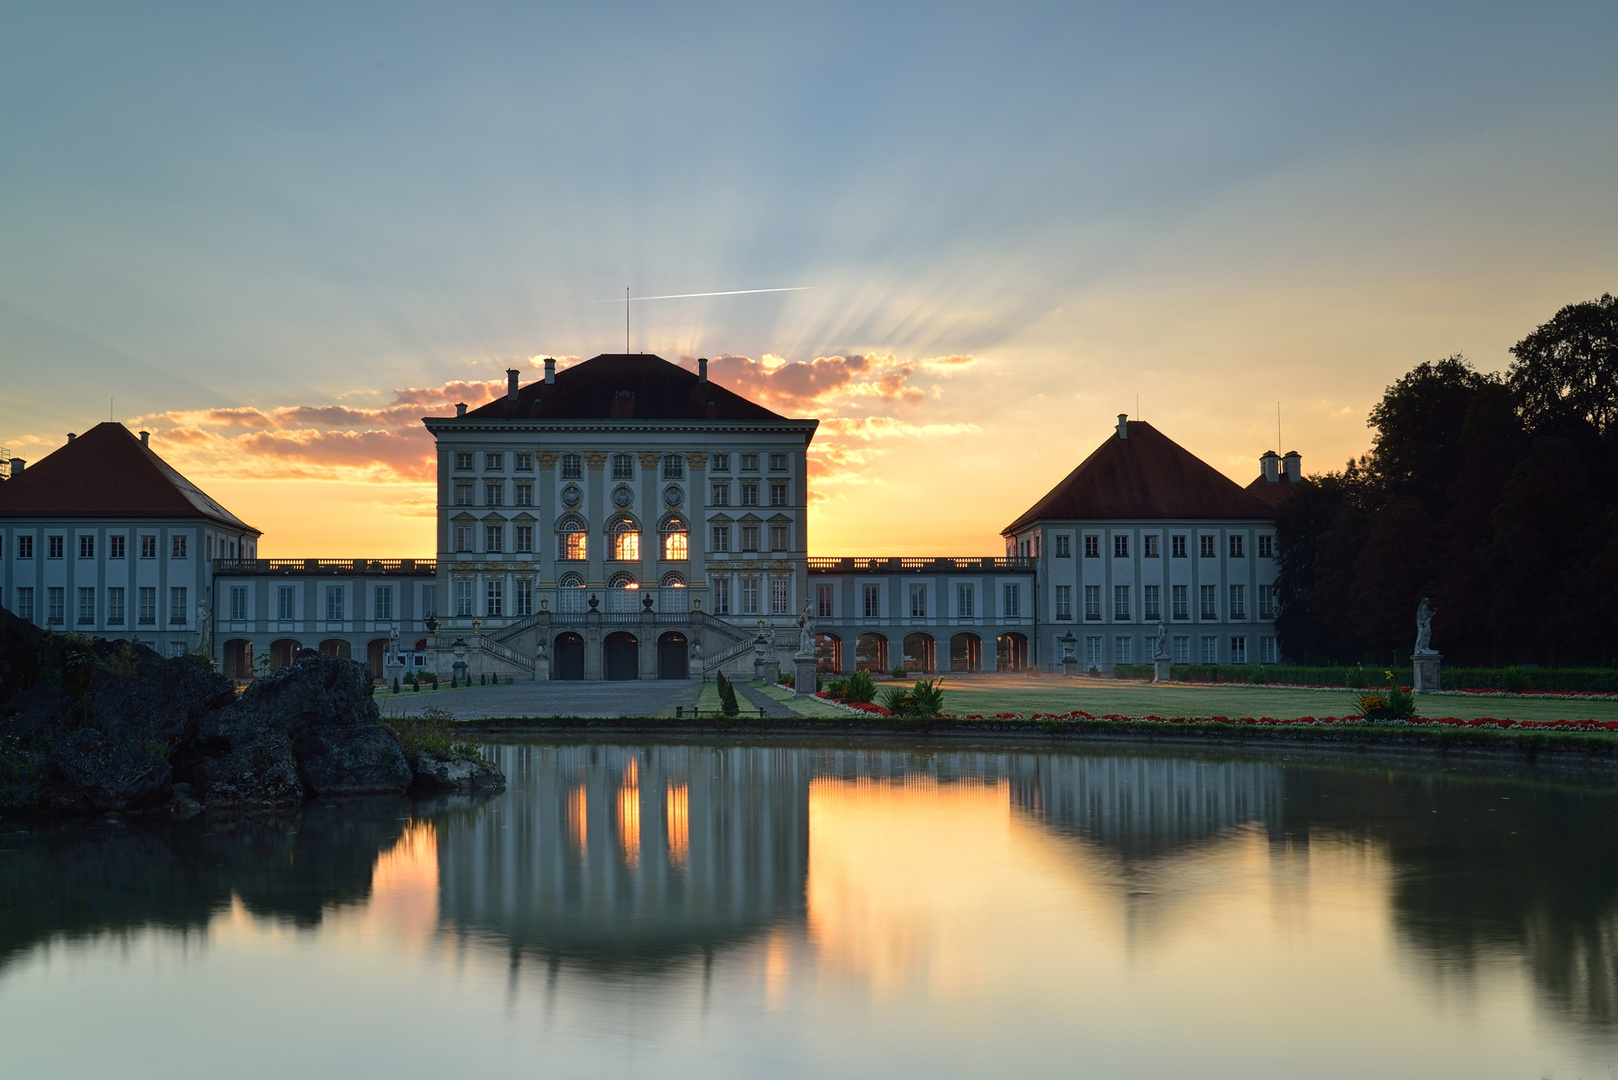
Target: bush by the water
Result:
[925, 699]
[433, 732]
[856, 689]
[727, 696]
[1391, 704]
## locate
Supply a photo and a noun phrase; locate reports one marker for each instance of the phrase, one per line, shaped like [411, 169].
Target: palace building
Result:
[628, 518]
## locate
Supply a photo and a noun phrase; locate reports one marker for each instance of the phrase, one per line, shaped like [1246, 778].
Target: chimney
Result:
[17, 466]
[1123, 425]
[550, 371]
[1293, 464]
[1269, 464]
[511, 383]
[146, 438]
[460, 409]
[702, 369]
[70, 436]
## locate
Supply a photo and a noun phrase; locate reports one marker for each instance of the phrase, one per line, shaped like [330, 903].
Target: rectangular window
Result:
[778, 493]
[463, 538]
[177, 605]
[25, 604]
[871, 601]
[673, 467]
[1266, 650]
[1182, 602]
[778, 463]
[623, 466]
[463, 460]
[25, 547]
[1092, 603]
[1092, 547]
[918, 601]
[1011, 600]
[1210, 649]
[494, 462]
[1152, 602]
[148, 605]
[522, 462]
[285, 603]
[823, 601]
[524, 536]
[720, 490]
[780, 538]
[1123, 650]
[721, 538]
[721, 595]
[721, 463]
[494, 494]
[749, 537]
[749, 463]
[334, 603]
[525, 598]
[463, 597]
[1266, 603]
[1207, 541]
[1182, 650]
[115, 547]
[1236, 546]
[177, 547]
[148, 547]
[1120, 547]
[780, 601]
[1238, 650]
[1064, 546]
[749, 594]
[749, 492]
[965, 601]
[1120, 602]
[429, 601]
[1177, 544]
[572, 467]
[87, 546]
[1210, 603]
[1064, 601]
[524, 494]
[53, 545]
[1238, 601]
[494, 538]
[238, 603]
[1092, 651]
[1266, 550]
[463, 493]
[87, 605]
[494, 598]
[115, 606]
[382, 603]
[54, 601]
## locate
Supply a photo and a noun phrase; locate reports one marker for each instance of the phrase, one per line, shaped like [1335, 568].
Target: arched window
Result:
[623, 540]
[673, 581]
[572, 540]
[623, 581]
[673, 595]
[570, 594]
[676, 541]
[623, 593]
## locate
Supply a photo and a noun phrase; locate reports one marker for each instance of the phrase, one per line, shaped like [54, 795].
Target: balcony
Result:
[927, 564]
[306, 567]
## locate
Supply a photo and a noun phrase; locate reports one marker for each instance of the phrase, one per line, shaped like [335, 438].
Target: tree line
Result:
[1494, 494]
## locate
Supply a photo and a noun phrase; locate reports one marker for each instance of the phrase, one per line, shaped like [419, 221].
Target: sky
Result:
[278, 235]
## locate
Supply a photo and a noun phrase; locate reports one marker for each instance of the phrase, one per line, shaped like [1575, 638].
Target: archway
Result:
[1010, 652]
[920, 651]
[237, 660]
[966, 653]
[375, 650]
[871, 653]
[338, 647]
[621, 655]
[829, 653]
[567, 656]
[282, 650]
[673, 657]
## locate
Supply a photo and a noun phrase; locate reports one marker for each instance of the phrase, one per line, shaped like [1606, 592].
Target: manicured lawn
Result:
[808, 707]
[1015, 694]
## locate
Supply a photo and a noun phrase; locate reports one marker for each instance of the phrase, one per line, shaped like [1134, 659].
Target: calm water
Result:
[847, 910]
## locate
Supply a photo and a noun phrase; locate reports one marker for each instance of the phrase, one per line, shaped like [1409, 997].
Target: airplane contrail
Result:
[686, 295]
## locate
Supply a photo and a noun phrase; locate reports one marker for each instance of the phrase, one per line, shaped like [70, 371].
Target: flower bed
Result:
[869, 708]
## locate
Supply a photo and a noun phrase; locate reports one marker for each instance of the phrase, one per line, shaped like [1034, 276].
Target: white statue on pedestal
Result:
[1160, 644]
[806, 631]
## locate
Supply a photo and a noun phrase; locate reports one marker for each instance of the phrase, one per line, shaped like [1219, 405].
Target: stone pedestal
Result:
[542, 668]
[803, 676]
[768, 671]
[1161, 670]
[1070, 666]
[1425, 667]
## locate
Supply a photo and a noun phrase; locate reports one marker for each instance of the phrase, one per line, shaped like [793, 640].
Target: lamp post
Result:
[458, 670]
[1070, 661]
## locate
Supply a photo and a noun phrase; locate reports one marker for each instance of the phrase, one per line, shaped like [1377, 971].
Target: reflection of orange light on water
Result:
[678, 823]
[629, 824]
[777, 968]
[631, 773]
[404, 882]
[577, 833]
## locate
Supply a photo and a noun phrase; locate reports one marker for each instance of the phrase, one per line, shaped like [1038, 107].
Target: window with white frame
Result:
[1266, 602]
[238, 603]
[25, 547]
[1266, 547]
[721, 537]
[1064, 546]
[87, 546]
[522, 461]
[1151, 602]
[673, 467]
[494, 538]
[1181, 595]
[1092, 651]
[918, 601]
[334, 603]
[749, 537]
[1238, 650]
[1177, 546]
[1120, 546]
[177, 547]
[1236, 549]
[463, 493]
[115, 606]
[429, 601]
[778, 493]
[463, 460]
[1181, 650]
[719, 492]
[53, 547]
[572, 467]
[523, 539]
[721, 463]
[1092, 547]
[1149, 546]
[780, 537]
[463, 538]
[87, 604]
[1238, 601]
[871, 601]
[463, 597]
[1207, 541]
[749, 492]
[285, 598]
[1120, 603]
[148, 547]
[147, 614]
[778, 463]
[55, 601]
[572, 541]
[780, 596]
[624, 540]
[1210, 602]
[382, 603]
[1123, 650]
[494, 493]
[623, 466]
[494, 597]
[674, 541]
[1064, 602]
[1266, 650]
[749, 594]
[25, 604]
[749, 463]
[524, 598]
[524, 494]
[1011, 600]
[823, 601]
[965, 600]
[1092, 603]
[1210, 649]
[493, 461]
[721, 595]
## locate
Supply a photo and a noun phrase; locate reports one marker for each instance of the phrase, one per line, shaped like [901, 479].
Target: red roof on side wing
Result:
[1147, 475]
[107, 472]
[625, 386]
